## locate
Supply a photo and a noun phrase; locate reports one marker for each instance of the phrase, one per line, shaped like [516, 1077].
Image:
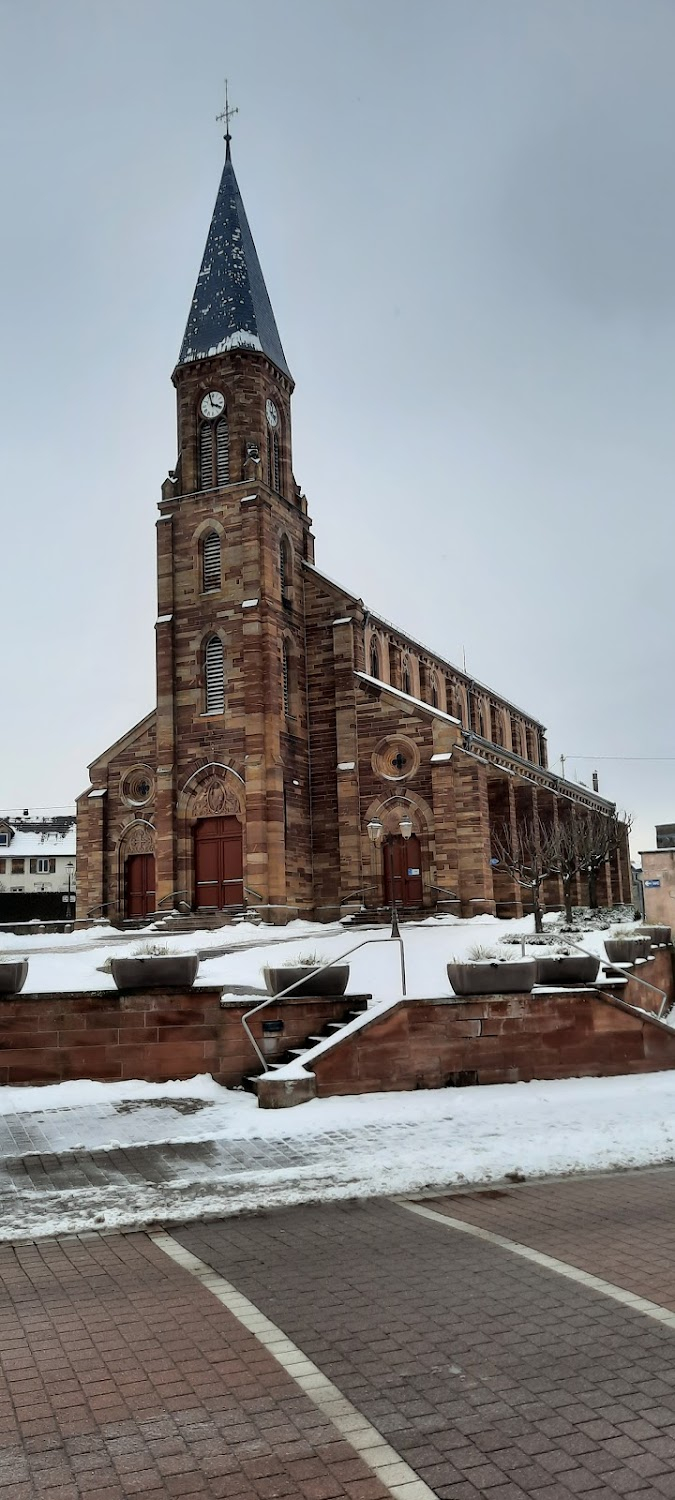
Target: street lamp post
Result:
[70, 867]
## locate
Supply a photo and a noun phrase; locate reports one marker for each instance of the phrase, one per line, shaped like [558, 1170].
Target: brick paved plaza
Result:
[124, 1375]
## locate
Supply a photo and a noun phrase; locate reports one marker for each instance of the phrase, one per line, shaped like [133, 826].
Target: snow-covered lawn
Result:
[73, 961]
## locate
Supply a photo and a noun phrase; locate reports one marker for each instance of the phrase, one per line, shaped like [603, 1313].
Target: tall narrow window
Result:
[459, 706]
[434, 690]
[273, 462]
[374, 658]
[405, 675]
[211, 562]
[222, 451]
[206, 456]
[285, 679]
[214, 672]
[285, 567]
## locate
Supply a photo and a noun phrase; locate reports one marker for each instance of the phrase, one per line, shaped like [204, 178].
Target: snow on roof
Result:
[26, 844]
[436, 713]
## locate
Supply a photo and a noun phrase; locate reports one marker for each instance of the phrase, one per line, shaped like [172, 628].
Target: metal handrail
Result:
[361, 891]
[445, 890]
[618, 969]
[274, 999]
[95, 910]
[170, 898]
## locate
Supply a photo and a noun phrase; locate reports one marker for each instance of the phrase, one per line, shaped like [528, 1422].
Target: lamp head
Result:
[375, 830]
[405, 825]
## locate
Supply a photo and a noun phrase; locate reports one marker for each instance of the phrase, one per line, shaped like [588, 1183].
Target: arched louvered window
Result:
[434, 690]
[285, 567]
[211, 576]
[374, 658]
[459, 706]
[206, 456]
[274, 462]
[405, 676]
[286, 678]
[222, 451]
[214, 673]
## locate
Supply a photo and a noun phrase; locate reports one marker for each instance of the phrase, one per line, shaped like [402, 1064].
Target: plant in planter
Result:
[484, 972]
[13, 975]
[154, 966]
[657, 935]
[298, 971]
[626, 945]
[563, 966]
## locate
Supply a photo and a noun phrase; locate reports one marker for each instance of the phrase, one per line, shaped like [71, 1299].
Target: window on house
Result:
[18, 866]
[214, 673]
[405, 676]
[374, 658]
[3, 863]
[43, 865]
[4, 839]
[211, 577]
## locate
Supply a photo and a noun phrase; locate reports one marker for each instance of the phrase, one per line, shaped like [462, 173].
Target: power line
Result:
[571, 755]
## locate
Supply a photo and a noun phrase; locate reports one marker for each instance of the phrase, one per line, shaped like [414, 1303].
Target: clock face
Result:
[212, 405]
[272, 414]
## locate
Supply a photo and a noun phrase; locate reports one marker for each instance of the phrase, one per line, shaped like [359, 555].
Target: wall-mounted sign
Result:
[652, 884]
[413, 872]
[272, 1028]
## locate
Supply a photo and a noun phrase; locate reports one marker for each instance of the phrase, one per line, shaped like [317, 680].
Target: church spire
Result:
[231, 308]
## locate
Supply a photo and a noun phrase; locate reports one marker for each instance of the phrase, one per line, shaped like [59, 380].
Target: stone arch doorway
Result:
[218, 863]
[137, 872]
[402, 870]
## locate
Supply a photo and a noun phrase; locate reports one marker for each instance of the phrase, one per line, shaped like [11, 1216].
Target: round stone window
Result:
[395, 758]
[138, 786]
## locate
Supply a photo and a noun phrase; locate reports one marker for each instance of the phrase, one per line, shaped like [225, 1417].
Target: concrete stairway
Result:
[355, 1005]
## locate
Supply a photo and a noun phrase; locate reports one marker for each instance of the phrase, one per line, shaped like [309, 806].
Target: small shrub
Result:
[479, 954]
[152, 950]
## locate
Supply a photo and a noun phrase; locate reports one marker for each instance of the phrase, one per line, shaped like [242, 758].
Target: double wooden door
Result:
[140, 885]
[403, 871]
[219, 865]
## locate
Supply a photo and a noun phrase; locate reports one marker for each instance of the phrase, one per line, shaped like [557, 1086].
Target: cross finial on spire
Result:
[226, 115]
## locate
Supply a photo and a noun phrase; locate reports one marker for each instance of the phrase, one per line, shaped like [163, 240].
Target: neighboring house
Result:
[658, 877]
[37, 869]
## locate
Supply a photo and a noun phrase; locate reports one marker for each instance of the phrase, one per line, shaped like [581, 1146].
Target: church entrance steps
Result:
[209, 921]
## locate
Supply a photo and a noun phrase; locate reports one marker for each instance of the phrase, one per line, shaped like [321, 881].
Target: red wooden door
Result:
[219, 867]
[403, 871]
[140, 885]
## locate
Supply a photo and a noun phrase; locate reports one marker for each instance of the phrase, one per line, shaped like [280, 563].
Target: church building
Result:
[305, 757]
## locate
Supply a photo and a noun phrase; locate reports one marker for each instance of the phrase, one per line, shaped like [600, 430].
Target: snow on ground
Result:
[73, 961]
[225, 1156]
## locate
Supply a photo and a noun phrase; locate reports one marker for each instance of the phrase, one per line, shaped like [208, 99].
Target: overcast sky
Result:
[465, 214]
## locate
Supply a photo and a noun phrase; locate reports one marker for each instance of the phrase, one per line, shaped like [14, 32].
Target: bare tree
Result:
[599, 835]
[565, 856]
[527, 855]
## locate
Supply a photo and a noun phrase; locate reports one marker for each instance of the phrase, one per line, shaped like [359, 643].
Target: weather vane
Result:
[226, 115]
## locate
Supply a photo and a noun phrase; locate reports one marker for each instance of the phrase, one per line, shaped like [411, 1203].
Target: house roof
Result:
[28, 843]
[231, 308]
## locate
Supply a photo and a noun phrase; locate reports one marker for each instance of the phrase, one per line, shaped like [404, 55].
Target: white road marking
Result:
[561, 1267]
[383, 1460]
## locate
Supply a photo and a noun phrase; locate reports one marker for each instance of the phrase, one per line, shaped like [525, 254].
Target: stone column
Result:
[502, 802]
[165, 801]
[351, 876]
[473, 836]
[445, 737]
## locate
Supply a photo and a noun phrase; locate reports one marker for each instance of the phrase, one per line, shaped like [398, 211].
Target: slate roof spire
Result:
[231, 308]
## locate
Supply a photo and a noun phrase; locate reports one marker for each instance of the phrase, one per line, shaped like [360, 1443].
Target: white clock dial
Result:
[212, 405]
[272, 414]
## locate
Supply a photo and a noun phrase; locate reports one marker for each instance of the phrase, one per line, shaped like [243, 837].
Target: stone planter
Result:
[492, 977]
[332, 981]
[573, 968]
[658, 935]
[156, 972]
[13, 976]
[627, 950]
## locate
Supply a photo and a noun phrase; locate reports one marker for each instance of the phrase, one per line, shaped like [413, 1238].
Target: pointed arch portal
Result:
[218, 863]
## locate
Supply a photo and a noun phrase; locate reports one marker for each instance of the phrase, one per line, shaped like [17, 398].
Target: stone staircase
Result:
[204, 921]
[355, 1005]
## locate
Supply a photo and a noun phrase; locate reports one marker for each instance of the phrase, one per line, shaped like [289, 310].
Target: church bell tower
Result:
[232, 534]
